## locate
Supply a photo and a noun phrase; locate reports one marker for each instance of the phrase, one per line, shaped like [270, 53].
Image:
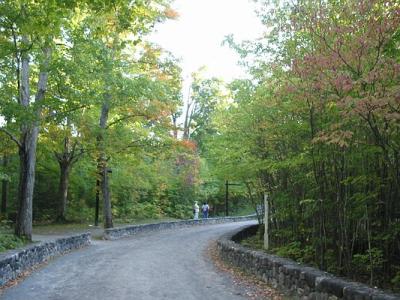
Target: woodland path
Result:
[170, 264]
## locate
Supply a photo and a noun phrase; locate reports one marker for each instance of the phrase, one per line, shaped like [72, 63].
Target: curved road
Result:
[167, 264]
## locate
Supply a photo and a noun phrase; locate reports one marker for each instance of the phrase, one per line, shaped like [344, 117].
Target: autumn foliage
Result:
[318, 129]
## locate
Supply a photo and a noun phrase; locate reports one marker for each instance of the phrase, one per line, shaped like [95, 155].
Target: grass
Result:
[253, 242]
[9, 241]
[97, 232]
[57, 229]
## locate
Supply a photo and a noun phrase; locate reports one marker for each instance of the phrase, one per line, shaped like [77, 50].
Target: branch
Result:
[18, 62]
[124, 118]
[58, 156]
[65, 112]
[11, 136]
[76, 157]
[323, 38]
[130, 145]
[43, 74]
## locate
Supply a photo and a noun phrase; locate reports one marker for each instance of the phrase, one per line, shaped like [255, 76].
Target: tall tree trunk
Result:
[96, 215]
[188, 117]
[174, 123]
[23, 226]
[63, 191]
[27, 156]
[66, 160]
[4, 189]
[108, 223]
[102, 164]
[28, 142]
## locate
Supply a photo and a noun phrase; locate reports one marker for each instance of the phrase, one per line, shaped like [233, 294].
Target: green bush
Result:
[298, 252]
[371, 260]
[396, 282]
[253, 242]
[10, 241]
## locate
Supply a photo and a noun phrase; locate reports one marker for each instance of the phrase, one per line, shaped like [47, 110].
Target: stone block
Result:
[357, 291]
[331, 285]
[15, 262]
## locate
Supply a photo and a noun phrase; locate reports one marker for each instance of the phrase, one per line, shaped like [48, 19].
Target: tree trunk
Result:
[102, 165]
[4, 189]
[188, 118]
[27, 156]
[174, 123]
[63, 191]
[28, 142]
[108, 223]
[23, 226]
[66, 160]
[96, 214]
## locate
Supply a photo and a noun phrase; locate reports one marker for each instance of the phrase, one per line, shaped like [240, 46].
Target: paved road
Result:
[162, 265]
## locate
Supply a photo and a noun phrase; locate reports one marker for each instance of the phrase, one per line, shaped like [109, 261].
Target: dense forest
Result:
[92, 114]
[317, 129]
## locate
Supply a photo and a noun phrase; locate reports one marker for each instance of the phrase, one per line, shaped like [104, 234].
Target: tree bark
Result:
[96, 214]
[28, 143]
[188, 118]
[174, 123]
[63, 191]
[102, 164]
[27, 155]
[65, 159]
[108, 223]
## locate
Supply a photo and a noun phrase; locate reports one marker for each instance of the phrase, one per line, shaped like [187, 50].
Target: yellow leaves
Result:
[331, 104]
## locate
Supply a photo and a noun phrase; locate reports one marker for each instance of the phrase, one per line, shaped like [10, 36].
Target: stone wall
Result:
[15, 262]
[120, 232]
[300, 281]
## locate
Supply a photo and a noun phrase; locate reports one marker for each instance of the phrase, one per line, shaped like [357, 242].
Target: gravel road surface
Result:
[169, 264]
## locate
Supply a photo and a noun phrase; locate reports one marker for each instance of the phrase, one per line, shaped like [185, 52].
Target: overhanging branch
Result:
[125, 118]
[11, 136]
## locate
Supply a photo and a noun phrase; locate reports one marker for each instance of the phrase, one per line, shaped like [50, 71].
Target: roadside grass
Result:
[253, 242]
[61, 229]
[7, 238]
[10, 241]
[244, 211]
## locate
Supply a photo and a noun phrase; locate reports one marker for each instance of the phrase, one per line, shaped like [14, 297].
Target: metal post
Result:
[226, 198]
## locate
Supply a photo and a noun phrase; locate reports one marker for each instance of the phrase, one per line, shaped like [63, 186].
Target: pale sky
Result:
[197, 34]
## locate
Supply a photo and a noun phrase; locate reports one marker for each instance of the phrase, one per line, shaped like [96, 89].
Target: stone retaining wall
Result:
[300, 281]
[120, 232]
[13, 263]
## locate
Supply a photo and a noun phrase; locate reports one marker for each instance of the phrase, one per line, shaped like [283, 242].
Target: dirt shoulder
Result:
[252, 287]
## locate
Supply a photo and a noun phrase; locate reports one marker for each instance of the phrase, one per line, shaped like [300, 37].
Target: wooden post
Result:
[266, 222]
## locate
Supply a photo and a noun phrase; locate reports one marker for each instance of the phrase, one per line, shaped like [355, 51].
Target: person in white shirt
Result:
[196, 211]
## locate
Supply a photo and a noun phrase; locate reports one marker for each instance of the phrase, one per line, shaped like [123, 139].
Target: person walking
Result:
[205, 208]
[196, 211]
